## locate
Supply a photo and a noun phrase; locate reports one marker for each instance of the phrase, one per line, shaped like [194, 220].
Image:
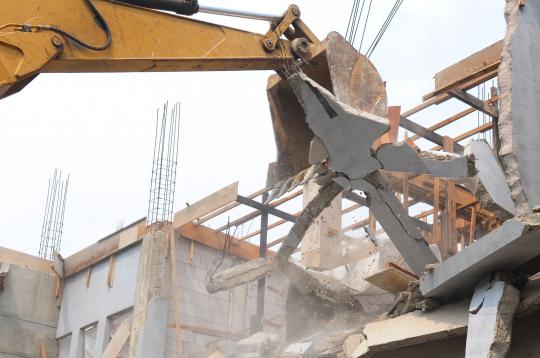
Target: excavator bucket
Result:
[338, 67]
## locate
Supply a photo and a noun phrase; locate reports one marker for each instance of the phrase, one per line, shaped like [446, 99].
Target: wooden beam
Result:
[436, 206]
[392, 134]
[475, 65]
[483, 128]
[450, 247]
[110, 275]
[206, 205]
[216, 240]
[256, 213]
[229, 207]
[105, 247]
[472, 227]
[446, 122]
[266, 208]
[116, 344]
[474, 102]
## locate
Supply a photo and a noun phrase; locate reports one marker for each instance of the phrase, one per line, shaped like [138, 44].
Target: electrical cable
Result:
[384, 27]
[98, 17]
[365, 26]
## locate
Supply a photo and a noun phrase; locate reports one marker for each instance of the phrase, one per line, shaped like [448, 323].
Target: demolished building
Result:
[394, 284]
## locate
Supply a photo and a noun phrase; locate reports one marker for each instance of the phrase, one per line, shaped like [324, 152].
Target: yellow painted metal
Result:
[142, 40]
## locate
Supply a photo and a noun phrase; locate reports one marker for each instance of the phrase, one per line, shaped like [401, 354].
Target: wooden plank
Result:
[25, 260]
[392, 279]
[450, 247]
[206, 205]
[436, 206]
[116, 344]
[216, 240]
[88, 276]
[229, 207]
[131, 234]
[101, 250]
[42, 351]
[483, 128]
[110, 275]
[481, 62]
[446, 122]
[392, 134]
[474, 102]
[472, 227]
[176, 291]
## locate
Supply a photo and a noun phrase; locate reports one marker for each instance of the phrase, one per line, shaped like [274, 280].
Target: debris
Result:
[406, 301]
[513, 244]
[491, 314]
[392, 279]
[492, 189]
[239, 274]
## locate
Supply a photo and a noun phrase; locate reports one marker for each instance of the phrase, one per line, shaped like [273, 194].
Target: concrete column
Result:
[321, 246]
[75, 349]
[152, 296]
[102, 336]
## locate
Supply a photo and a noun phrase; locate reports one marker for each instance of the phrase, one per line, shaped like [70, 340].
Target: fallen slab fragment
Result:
[392, 279]
[491, 314]
[510, 246]
[402, 158]
[519, 82]
[400, 227]
[414, 328]
[239, 275]
[347, 133]
[492, 189]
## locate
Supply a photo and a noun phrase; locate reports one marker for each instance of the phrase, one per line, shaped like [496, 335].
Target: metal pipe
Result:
[239, 13]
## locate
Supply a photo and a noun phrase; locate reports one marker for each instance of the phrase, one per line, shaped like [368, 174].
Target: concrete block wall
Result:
[28, 313]
[85, 306]
[228, 311]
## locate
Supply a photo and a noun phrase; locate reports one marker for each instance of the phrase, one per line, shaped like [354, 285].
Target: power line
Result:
[384, 27]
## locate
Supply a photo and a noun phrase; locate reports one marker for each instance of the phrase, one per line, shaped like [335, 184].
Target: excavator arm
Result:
[59, 36]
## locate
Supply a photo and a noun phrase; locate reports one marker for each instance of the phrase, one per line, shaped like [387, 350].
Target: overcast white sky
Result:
[99, 128]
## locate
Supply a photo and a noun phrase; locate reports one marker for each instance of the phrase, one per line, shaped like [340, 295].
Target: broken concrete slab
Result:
[491, 314]
[493, 191]
[239, 274]
[402, 158]
[415, 328]
[518, 101]
[508, 247]
[347, 133]
[399, 226]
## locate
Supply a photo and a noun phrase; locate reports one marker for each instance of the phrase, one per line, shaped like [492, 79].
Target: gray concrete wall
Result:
[28, 313]
[82, 306]
[228, 311]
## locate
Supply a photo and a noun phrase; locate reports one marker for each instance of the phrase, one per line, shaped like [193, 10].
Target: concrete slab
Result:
[519, 82]
[513, 244]
[493, 193]
[416, 327]
[347, 133]
[402, 158]
[399, 226]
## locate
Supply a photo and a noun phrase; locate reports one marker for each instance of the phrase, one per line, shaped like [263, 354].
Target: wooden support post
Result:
[88, 276]
[390, 136]
[42, 351]
[116, 344]
[110, 275]
[472, 228]
[451, 246]
[436, 206]
[406, 192]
